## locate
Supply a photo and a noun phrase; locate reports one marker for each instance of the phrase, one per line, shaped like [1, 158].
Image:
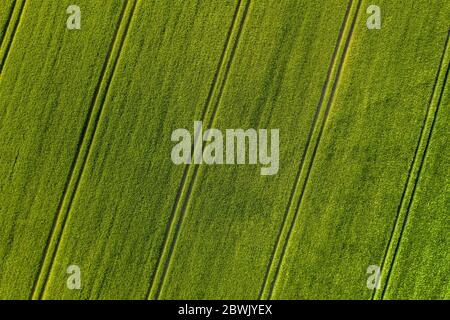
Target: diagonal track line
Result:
[84, 148]
[4, 53]
[8, 21]
[299, 170]
[177, 216]
[186, 168]
[275, 264]
[414, 173]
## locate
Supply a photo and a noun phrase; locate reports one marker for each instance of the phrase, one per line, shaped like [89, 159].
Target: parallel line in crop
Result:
[12, 26]
[177, 215]
[299, 170]
[288, 223]
[414, 173]
[84, 147]
[8, 21]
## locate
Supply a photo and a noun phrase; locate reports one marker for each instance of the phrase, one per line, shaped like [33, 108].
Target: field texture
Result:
[87, 179]
[5, 17]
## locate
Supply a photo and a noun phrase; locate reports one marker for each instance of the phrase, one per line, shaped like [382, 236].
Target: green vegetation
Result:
[86, 118]
[10, 15]
[349, 206]
[46, 89]
[422, 266]
[233, 217]
[5, 14]
[117, 222]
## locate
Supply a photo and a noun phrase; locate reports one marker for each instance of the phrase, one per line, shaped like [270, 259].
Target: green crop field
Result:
[93, 205]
